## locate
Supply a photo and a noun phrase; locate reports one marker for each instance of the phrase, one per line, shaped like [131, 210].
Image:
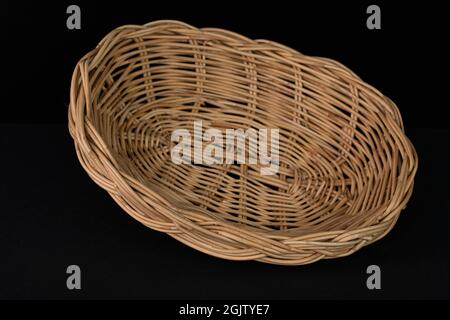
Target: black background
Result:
[52, 215]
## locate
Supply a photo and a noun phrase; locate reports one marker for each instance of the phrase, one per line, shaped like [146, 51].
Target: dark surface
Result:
[53, 215]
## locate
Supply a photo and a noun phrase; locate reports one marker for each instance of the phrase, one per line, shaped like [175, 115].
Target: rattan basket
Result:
[346, 168]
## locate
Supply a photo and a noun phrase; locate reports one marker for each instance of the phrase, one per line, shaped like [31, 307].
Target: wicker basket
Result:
[346, 168]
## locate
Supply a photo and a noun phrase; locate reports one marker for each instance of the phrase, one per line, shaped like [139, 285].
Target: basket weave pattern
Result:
[346, 167]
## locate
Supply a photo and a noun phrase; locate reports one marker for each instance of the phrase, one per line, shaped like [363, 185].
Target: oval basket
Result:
[345, 168]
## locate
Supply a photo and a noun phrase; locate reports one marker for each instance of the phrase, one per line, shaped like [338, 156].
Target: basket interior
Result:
[330, 155]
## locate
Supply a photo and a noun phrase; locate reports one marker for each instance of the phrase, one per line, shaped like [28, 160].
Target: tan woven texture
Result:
[346, 167]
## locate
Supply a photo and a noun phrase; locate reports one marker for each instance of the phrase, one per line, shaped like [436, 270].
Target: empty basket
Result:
[345, 168]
